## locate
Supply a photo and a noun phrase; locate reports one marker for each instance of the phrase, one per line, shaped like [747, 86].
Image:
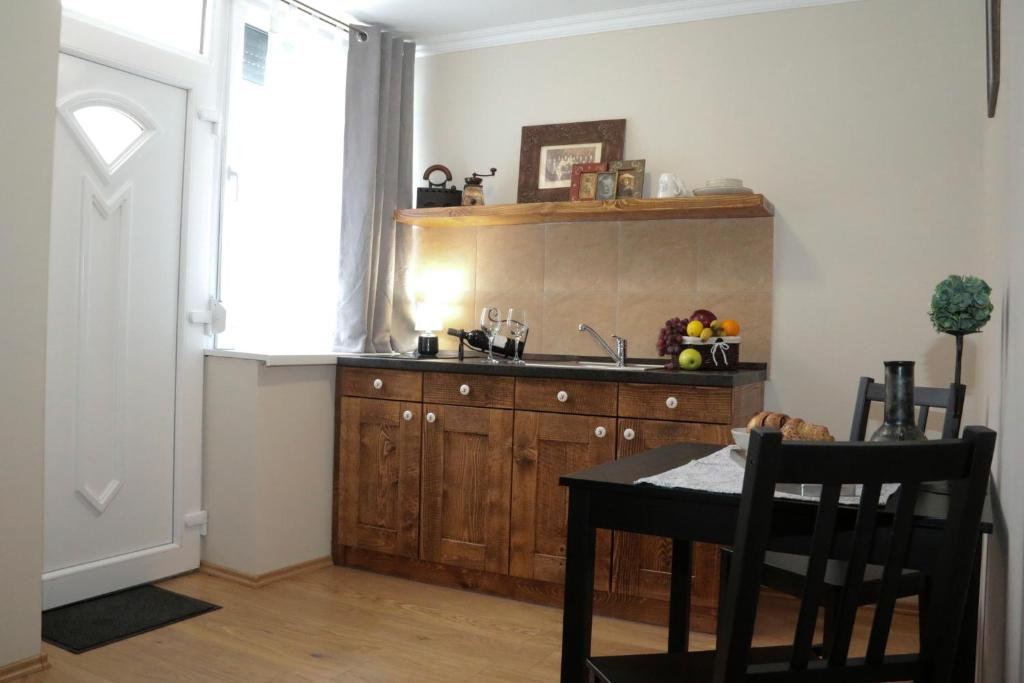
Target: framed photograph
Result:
[547, 154]
[629, 181]
[606, 185]
[584, 180]
[993, 10]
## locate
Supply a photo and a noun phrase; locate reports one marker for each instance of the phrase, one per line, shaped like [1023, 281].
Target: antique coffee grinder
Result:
[473, 192]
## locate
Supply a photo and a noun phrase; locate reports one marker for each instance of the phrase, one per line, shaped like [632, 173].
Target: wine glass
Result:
[490, 323]
[517, 329]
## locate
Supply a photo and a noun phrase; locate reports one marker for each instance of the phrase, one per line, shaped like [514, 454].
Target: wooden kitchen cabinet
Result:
[546, 446]
[467, 486]
[379, 475]
[449, 473]
[643, 564]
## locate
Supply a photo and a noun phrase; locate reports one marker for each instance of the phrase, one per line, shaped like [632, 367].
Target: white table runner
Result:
[722, 472]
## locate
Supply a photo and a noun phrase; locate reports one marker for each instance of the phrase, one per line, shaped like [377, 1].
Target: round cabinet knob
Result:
[562, 396]
[464, 390]
[407, 415]
[628, 434]
[378, 383]
[671, 402]
[431, 417]
[600, 432]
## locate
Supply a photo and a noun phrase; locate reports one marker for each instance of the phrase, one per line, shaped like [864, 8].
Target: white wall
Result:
[862, 122]
[268, 463]
[1004, 346]
[28, 80]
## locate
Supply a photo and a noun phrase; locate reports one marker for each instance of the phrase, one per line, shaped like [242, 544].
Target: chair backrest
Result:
[925, 398]
[874, 535]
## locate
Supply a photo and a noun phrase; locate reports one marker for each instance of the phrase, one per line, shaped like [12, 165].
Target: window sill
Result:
[279, 359]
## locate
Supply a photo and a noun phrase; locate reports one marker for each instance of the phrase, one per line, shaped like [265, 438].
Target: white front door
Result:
[112, 484]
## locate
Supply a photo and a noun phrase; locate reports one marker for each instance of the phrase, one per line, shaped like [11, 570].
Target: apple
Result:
[705, 316]
[694, 328]
[690, 359]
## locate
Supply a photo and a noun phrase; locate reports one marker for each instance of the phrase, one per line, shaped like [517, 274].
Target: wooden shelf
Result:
[718, 206]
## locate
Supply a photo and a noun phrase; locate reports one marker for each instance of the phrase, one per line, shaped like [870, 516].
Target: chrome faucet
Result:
[618, 354]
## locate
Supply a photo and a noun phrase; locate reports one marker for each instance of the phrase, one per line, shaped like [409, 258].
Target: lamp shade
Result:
[428, 317]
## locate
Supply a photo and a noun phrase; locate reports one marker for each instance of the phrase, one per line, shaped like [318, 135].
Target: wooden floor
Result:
[340, 624]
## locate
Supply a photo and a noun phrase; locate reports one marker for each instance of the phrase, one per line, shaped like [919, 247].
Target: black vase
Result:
[899, 422]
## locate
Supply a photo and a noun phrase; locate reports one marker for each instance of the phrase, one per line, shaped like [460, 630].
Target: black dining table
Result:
[606, 497]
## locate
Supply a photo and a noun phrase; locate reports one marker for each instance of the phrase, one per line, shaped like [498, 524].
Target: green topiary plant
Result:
[961, 305]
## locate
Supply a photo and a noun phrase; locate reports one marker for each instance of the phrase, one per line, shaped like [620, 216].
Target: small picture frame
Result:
[605, 185]
[584, 180]
[629, 181]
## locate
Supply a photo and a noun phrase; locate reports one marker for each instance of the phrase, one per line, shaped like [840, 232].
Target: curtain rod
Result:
[327, 18]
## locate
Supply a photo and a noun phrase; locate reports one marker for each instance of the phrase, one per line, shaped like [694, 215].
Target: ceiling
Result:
[421, 19]
[454, 25]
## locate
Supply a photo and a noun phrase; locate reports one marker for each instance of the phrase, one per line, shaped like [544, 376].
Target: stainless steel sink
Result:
[612, 366]
[591, 365]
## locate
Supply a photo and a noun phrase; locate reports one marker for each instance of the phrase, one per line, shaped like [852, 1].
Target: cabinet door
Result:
[643, 564]
[546, 446]
[380, 475]
[467, 486]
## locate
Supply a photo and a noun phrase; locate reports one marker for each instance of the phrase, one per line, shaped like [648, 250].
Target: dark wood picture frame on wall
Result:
[547, 154]
[992, 41]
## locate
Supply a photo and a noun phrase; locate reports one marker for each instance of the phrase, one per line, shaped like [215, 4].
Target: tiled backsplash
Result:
[622, 278]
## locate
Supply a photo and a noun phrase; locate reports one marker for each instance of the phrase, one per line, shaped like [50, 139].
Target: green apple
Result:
[690, 359]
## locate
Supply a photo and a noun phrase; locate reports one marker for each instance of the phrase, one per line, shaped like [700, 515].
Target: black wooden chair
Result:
[785, 572]
[857, 537]
[950, 399]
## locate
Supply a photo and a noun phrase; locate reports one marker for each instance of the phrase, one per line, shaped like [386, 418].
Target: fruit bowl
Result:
[741, 437]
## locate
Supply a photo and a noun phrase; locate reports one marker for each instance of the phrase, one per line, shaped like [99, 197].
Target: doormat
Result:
[95, 622]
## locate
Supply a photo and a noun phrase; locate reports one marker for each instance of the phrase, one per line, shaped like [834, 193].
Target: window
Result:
[174, 23]
[109, 130]
[282, 197]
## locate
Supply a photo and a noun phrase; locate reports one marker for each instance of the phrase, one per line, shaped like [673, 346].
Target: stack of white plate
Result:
[723, 186]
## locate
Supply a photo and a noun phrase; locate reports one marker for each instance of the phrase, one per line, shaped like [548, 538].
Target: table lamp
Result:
[428, 320]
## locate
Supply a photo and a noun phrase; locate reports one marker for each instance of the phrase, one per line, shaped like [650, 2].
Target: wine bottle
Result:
[477, 339]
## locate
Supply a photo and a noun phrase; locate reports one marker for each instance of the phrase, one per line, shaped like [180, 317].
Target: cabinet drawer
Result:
[484, 391]
[400, 385]
[566, 396]
[675, 402]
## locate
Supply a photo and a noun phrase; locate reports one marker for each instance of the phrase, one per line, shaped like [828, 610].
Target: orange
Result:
[731, 328]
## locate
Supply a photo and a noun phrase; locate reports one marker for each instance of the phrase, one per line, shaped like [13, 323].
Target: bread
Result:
[800, 430]
[793, 428]
[767, 418]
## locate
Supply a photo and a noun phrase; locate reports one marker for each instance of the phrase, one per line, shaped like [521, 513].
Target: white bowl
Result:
[741, 436]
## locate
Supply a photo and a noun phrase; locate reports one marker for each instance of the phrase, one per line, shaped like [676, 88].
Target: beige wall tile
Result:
[624, 279]
[531, 301]
[564, 311]
[581, 256]
[641, 317]
[510, 256]
[445, 262]
[658, 256]
[459, 311]
[735, 255]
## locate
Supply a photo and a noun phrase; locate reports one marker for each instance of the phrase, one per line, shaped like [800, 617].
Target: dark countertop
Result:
[748, 373]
